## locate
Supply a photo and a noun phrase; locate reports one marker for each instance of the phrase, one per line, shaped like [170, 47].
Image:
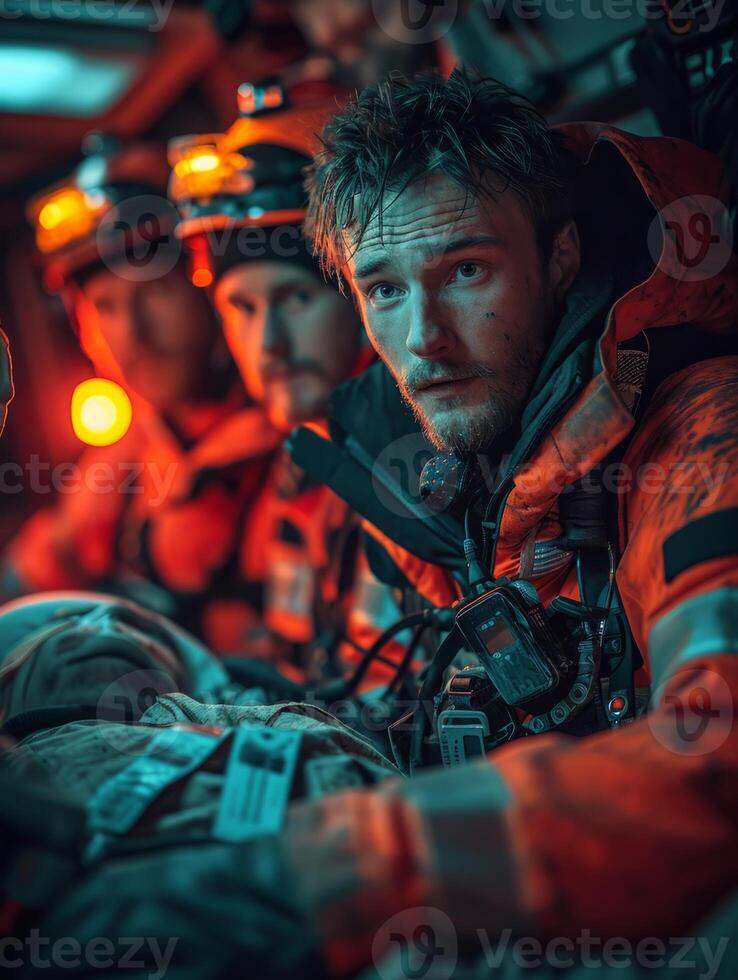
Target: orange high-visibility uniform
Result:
[153, 510]
[321, 600]
[627, 832]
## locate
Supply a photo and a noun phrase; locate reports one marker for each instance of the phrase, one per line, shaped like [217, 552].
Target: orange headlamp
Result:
[253, 173]
[66, 214]
[203, 176]
[69, 216]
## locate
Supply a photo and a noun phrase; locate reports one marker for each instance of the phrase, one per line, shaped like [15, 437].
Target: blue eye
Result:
[383, 291]
[467, 270]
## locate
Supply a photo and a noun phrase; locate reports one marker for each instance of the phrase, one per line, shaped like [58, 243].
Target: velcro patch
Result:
[712, 536]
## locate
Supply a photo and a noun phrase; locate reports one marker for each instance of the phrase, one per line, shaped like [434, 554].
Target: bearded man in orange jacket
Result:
[558, 307]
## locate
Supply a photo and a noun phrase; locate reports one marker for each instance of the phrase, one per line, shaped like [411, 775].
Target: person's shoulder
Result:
[698, 379]
[695, 407]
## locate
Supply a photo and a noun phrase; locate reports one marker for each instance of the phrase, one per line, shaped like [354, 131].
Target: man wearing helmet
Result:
[294, 337]
[197, 450]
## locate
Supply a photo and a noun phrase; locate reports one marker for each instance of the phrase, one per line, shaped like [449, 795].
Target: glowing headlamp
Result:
[66, 215]
[201, 170]
[101, 412]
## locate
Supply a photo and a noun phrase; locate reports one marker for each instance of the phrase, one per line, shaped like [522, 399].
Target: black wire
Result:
[431, 685]
[490, 561]
[413, 619]
[344, 688]
[128, 846]
[407, 658]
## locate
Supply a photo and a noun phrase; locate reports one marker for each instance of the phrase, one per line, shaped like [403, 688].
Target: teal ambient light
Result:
[55, 80]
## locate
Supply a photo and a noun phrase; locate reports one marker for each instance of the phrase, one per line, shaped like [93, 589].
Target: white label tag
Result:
[121, 801]
[258, 783]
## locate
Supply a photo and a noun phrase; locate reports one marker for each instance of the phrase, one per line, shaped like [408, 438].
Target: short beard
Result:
[485, 430]
[490, 426]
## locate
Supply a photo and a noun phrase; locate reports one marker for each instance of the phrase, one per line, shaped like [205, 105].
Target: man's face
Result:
[458, 302]
[293, 337]
[108, 656]
[161, 333]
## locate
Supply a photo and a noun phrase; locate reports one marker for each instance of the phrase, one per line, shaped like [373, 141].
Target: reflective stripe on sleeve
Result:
[698, 627]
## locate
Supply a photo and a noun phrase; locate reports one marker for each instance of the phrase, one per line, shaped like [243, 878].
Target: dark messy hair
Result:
[475, 130]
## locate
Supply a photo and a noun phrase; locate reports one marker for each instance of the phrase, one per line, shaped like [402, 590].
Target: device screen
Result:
[496, 634]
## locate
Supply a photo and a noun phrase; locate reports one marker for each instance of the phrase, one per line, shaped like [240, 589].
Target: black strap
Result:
[432, 537]
[35, 719]
[712, 536]
[619, 654]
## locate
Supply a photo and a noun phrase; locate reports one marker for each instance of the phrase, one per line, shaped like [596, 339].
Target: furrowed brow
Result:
[466, 241]
[370, 268]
